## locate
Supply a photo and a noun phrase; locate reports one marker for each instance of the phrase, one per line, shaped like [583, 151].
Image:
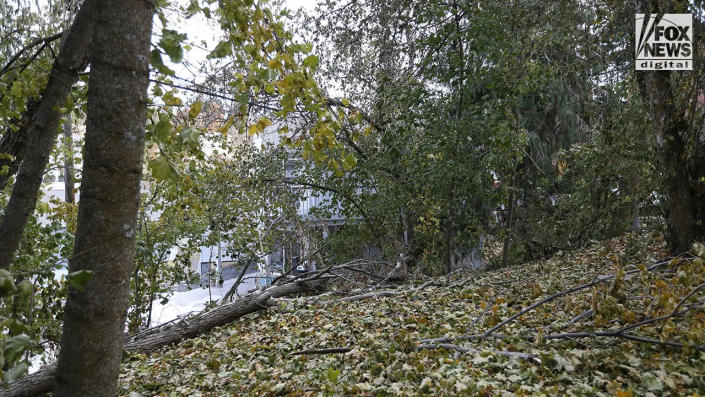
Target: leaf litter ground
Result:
[253, 356]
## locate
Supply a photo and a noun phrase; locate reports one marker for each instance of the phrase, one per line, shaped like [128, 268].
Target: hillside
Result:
[663, 304]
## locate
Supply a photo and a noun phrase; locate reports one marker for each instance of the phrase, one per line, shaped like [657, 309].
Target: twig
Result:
[32, 44]
[597, 281]
[323, 351]
[382, 293]
[362, 297]
[685, 298]
[228, 295]
[447, 346]
[426, 284]
[484, 311]
[620, 333]
[304, 259]
[579, 317]
[581, 287]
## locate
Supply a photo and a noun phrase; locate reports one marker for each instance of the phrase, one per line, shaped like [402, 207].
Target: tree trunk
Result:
[682, 167]
[41, 381]
[13, 144]
[42, 131]
[678, 140]
[69, 196]
[508, 228]
[94, 319]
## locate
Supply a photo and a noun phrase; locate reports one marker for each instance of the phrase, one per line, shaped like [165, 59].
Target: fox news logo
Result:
[664, 42]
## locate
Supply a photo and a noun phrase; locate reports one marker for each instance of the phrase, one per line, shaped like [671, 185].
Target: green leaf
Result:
[14, 347]
[221, 50]
[189, 135]
[7, 283]
[332, 374]
[350, 160]
[311, 61]
[163, 170]
[15, 372]
[16, 327]
[79, 278]
[25, 289]
[155, 58]
[171, 44]
[170, 99]
[652, 383]
[162, 131]
[259, 126]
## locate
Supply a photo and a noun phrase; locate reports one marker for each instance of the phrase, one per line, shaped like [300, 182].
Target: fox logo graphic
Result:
[664, 42]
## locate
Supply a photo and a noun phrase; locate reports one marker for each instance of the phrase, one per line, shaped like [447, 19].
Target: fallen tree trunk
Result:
[221, 315]
[36, 384]
[42, 381]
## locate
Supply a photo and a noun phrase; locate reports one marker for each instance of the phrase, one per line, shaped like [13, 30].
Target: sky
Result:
[295, 4]
[200, 31]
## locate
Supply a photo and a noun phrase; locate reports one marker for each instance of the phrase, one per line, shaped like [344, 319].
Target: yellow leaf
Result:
[624, 393]
[274, 64]
[195, 109]
[259, 126]
[228, 123]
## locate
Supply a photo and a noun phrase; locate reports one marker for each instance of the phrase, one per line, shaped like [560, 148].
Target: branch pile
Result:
[595, 321]
[518, 330]
[174, 332]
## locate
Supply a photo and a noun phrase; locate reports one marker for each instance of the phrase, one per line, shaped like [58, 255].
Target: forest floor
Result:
[253, 356]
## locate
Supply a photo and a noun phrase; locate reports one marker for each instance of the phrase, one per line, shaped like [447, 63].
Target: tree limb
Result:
[43, 40]
[42, 131]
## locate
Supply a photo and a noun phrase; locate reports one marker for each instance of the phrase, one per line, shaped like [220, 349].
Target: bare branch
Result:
[323, 351]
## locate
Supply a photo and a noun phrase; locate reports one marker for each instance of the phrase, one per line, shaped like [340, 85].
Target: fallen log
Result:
[42, 381]
[221, 315]
[35, 384]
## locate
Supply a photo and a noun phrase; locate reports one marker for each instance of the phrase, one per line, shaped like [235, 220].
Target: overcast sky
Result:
[201, 31]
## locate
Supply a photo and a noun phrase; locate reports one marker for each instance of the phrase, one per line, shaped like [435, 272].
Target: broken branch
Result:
[323, 351]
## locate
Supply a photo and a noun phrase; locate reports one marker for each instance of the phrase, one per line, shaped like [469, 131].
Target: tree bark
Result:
[508, 227]
[94, 319]
[42, 131]
[681, 167]
[69, 196]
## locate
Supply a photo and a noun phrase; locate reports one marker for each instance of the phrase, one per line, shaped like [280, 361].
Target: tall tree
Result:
[674, 100]
[92, 340]
[42, 130]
